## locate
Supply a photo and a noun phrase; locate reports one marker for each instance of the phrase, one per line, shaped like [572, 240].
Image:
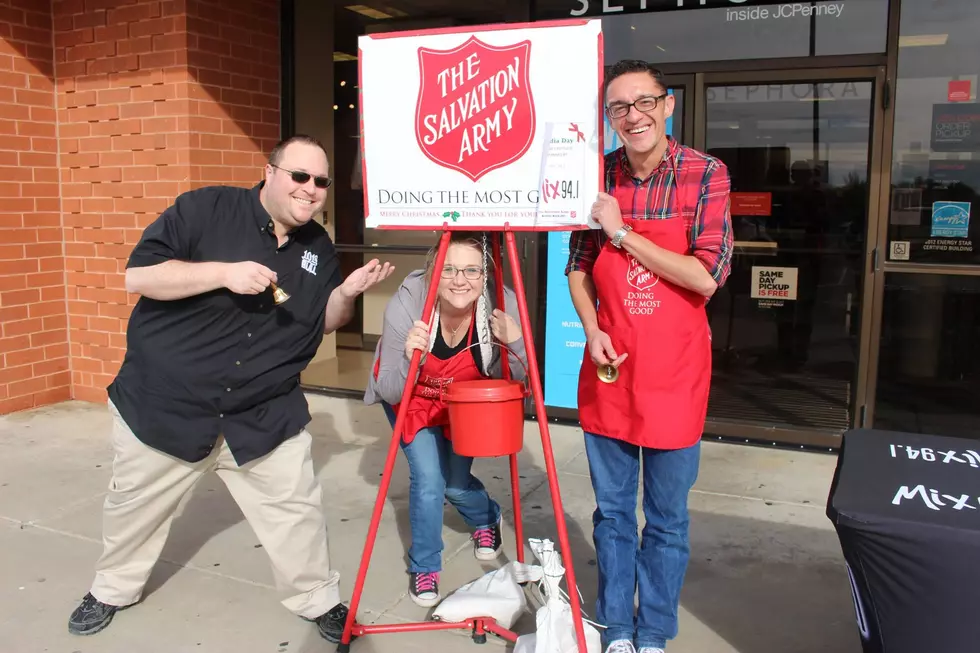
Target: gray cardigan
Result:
[403, 309]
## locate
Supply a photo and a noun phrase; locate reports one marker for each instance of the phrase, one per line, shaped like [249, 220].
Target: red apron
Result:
[660, 399]
[426, 407]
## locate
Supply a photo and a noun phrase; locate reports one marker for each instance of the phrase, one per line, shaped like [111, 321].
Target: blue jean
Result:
[435, 471]
[655, 567]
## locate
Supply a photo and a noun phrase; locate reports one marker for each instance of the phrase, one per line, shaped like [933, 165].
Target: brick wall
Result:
[34, 364]
[233, 62]
[153, 97]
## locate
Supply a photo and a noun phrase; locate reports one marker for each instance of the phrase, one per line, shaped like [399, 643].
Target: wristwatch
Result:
[617, 239]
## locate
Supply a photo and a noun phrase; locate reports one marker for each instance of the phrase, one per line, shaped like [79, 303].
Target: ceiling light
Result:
[922, 39]
[343, 83]
[370, 12]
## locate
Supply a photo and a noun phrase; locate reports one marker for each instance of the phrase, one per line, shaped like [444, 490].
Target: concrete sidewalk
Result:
[766, 573]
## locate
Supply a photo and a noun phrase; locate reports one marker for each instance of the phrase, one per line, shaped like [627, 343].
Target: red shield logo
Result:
[475, 110]
[638, 276]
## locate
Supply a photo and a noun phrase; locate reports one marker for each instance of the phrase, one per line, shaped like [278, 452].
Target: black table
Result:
[907, 511]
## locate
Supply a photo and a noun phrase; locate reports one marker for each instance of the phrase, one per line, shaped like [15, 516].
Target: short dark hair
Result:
[276, 155]
[625, 66]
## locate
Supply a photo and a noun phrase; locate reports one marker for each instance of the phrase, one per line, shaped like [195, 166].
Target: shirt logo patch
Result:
[309, 262]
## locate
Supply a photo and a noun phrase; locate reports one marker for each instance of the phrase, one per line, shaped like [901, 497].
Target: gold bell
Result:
[278, 294]
[607, 373]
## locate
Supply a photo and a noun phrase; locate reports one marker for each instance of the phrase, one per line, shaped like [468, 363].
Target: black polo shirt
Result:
[223, 364]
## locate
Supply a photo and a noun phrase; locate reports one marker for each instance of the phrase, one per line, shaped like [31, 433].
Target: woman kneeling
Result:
[459, 348]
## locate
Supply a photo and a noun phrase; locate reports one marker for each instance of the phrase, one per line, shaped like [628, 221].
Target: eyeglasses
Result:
[471, 273]
[645, 104]
[303, 177]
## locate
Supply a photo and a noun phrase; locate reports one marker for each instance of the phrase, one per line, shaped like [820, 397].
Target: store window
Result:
[668, 31]
[936, 165]
[929, 360]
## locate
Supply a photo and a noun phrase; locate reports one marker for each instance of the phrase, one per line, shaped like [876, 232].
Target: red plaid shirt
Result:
[656, 198]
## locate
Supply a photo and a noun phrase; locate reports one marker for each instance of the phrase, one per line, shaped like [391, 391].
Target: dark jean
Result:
[655, 567]
[435, 472]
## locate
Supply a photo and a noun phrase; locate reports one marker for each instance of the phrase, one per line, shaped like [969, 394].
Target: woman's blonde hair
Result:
[472, 238]
[484, 304]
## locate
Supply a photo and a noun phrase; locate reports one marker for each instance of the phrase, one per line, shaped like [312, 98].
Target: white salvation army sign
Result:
[483, 127]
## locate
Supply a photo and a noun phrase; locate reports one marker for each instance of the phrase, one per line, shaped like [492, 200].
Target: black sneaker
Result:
[487, 542]
[331, 625]
[91, 616]
[424, 588]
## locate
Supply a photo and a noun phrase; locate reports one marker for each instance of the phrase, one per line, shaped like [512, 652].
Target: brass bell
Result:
[278, 294]
[607, 373]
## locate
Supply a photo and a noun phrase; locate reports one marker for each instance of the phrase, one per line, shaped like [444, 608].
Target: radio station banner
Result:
[482, 127]
[564, 335]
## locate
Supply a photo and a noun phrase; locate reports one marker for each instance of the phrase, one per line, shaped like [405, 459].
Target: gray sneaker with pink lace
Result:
[424, 588]
[487, 542]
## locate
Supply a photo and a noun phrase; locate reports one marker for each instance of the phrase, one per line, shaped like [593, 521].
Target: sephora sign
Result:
[547, 8]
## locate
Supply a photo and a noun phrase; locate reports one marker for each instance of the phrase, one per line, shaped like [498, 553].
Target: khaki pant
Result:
[279, 495]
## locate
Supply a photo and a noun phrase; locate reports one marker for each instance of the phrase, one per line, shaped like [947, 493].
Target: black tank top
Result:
[442, 350]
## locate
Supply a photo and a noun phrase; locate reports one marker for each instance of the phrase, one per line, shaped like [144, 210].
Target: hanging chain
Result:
[485, 257]
[483, 296]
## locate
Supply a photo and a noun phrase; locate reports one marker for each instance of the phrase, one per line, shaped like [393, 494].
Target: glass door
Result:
[790, 327]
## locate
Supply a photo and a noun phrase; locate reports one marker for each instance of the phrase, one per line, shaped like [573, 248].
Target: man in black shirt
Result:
[210, 380]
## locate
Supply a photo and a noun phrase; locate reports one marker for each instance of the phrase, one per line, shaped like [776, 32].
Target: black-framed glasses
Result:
[472, 273]
[645, 104]
[303, 177]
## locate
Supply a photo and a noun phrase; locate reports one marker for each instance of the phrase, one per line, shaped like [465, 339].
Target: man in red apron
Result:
[663, 250]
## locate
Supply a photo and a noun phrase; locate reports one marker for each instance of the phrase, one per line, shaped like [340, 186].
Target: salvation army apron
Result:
[427, 406]
[660, 399]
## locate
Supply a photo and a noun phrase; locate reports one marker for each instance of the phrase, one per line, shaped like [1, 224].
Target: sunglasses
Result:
[303, 177]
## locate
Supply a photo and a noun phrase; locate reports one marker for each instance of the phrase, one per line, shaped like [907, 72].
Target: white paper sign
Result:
[774, 283]
[564, 166]
[482, 127]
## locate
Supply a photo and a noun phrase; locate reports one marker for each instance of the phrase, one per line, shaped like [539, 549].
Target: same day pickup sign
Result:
[482, 128]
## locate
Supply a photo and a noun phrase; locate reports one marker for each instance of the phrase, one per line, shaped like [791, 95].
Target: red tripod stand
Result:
[480, 626]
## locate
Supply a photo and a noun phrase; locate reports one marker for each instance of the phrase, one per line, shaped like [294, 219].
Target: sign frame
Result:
[471, 31]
